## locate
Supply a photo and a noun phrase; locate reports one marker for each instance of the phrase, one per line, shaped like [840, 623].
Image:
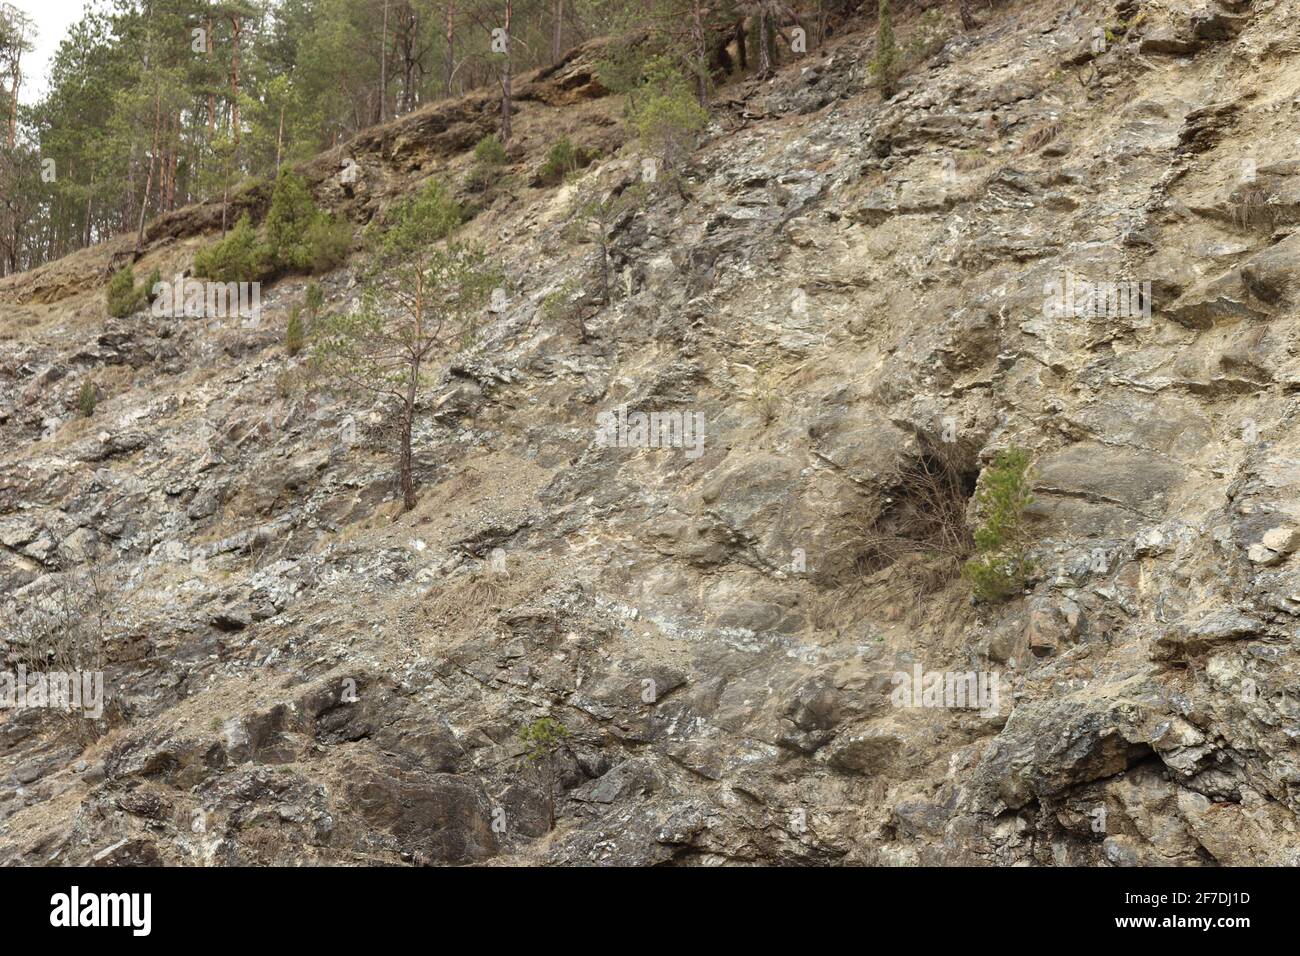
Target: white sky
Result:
[52, 19]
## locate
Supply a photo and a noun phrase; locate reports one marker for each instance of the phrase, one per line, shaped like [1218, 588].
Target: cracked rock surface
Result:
[299, 674]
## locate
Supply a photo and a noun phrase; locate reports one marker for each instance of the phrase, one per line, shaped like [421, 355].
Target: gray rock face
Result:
[749, 666]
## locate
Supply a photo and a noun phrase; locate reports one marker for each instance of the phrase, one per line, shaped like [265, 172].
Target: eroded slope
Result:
[850, 285]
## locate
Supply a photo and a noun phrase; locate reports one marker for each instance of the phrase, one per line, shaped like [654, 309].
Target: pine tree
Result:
[542, 740]
[885, 64]
[86, 398]
[294, 335]
[426, 294]
[122, 297]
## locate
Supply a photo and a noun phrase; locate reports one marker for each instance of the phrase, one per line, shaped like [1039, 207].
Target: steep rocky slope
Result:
[849, 288]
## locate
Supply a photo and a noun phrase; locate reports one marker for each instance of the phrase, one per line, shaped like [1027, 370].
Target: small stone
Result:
[868, 753]
[1281, 540]
[1258, 554]
[1150, 544]
[232, 619]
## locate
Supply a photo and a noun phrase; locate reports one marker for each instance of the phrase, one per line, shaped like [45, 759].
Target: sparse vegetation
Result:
[289, 381]
[1086, 76]
[542, 740]
[422, 296]
[87, 398]
[595, 216]
[431, 209]
[666, 117]
[313, 300]
[884, 66]
[63, 627]
[489, 157]
[123, 297]
[297, 237]
[294, 336]
[562, 308]
[767, 401]
[468, 602]
[1039, 135]
[563, 160]
[150, 284]
[1253, 206]
[236, 258]
[1120, 28]
[489, 151]
[922, 521]
[1000, 568]
[931, 32]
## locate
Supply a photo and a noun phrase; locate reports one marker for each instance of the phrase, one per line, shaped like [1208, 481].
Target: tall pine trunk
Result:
[14, 88]
[557, 38]
[279, 142]
[383, 69]
[406, 467]
[505, 81]
[234, 79]
[212, 93]
[153, 163]
[764, 42]
[449, 61]
[701, 54]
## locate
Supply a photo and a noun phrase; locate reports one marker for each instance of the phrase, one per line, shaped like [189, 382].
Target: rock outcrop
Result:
[1087, 250]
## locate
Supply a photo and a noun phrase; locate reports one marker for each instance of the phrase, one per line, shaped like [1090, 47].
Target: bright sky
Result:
[52, 19]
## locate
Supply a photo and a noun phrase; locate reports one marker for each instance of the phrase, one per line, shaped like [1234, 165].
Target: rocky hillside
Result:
[852, 292]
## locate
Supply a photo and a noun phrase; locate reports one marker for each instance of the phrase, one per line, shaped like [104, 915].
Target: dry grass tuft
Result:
[921, 527]
[1039, 135]
[1251, 207]
[467, 605]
